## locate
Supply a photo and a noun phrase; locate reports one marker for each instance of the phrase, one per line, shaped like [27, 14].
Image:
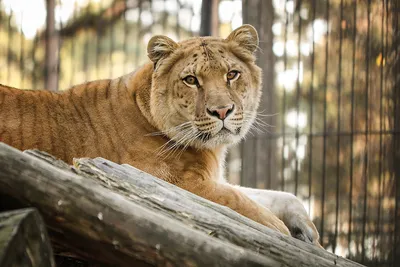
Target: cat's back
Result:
[22, 117]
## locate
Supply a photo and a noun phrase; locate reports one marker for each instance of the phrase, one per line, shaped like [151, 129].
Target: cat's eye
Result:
[232, 75]
[190, 80]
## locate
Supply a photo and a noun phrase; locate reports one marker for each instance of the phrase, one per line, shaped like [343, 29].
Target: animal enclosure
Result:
[329, 123]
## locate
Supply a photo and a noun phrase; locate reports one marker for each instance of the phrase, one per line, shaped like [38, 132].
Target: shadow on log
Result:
[23, 240]
[120, 216]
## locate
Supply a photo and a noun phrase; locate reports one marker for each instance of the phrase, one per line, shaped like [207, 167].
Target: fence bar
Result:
[285, 60]
[386, 147]
[296, 173]
[380, 188]
[339, 86]
[366, 158]
[396, 143]
[333, 133]
[325, 128]
[311, 111]
[352, 126]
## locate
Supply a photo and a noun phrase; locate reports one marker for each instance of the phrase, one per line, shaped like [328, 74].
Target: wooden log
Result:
[121, 215]
[24, 240]
[107, 226]
[211, 218]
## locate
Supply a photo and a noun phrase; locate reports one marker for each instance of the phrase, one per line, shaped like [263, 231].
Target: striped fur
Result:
[73, 123]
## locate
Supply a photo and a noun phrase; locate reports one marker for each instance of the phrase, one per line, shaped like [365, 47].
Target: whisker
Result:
[175, 128]
[178, 141]
[260, 113]
[259, 121]
[175, 140]
[188, 143]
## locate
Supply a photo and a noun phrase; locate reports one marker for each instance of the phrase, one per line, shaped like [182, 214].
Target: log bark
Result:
[24, 240]
[119, 215]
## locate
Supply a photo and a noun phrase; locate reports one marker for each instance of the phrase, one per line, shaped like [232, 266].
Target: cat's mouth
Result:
[224, 132]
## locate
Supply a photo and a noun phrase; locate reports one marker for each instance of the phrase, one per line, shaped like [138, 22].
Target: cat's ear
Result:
[246, 36]
[159, 47]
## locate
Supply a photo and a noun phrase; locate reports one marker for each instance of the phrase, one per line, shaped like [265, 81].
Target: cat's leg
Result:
[227, 195]
[289, 209]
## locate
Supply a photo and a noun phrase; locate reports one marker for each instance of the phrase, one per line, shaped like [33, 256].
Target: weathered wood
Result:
[107, 226]
[23, 240]
[211, 218]
[120, 214]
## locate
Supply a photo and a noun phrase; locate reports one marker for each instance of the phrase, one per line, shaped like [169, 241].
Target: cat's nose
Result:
[221, 112]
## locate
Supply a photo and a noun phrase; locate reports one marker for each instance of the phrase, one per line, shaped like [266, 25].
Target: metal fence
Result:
[331, 93]
[336, 140]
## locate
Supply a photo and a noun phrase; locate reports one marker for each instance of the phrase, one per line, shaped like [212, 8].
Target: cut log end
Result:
[24, 240]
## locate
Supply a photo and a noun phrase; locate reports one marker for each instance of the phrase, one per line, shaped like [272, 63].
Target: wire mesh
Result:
[337, 130]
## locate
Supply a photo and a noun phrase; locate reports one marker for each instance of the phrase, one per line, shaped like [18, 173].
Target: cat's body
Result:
[173, 118]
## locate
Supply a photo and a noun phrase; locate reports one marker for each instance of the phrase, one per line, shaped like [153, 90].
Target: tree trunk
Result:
[209, 18]
[52, 44]
[259, 152]
[119, 215]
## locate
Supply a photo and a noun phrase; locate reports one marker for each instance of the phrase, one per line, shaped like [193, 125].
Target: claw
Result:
[280, 227]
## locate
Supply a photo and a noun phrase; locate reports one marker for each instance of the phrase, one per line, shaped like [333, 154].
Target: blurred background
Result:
[329, 122]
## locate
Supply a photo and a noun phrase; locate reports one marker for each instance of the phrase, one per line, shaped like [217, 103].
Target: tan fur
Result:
[135, 119]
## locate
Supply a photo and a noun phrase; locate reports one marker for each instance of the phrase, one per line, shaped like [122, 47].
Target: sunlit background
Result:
[329, 123]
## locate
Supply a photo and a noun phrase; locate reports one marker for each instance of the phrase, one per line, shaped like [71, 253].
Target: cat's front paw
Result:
[298, 222]
[278, 225]
[302, 228]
